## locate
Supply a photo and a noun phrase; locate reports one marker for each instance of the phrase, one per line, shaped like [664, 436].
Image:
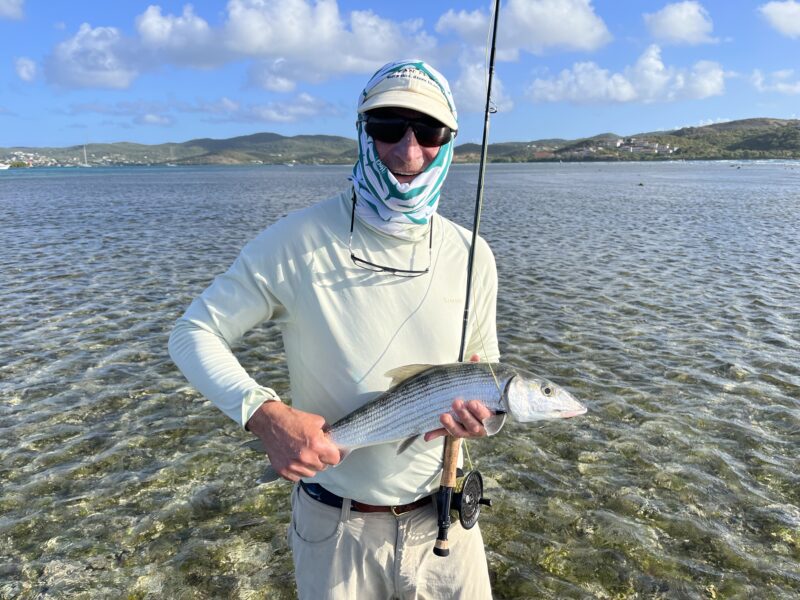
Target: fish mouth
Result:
[575, 412]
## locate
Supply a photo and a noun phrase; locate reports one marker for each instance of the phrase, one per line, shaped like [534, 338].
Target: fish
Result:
[419, 394]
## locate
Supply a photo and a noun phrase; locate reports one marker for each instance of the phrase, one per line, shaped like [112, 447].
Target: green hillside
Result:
[266, 148]
[744, 139]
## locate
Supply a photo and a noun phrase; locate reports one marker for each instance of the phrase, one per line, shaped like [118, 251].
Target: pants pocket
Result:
[313, 522]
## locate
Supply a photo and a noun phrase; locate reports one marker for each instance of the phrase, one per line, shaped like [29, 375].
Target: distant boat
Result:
[85, 159]
[4, 166]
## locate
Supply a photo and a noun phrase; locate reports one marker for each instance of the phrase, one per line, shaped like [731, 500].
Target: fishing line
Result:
[483, 348]
[467, 456]
[465, 443]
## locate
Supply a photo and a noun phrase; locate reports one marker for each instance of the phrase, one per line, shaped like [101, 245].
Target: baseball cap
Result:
[410, 87]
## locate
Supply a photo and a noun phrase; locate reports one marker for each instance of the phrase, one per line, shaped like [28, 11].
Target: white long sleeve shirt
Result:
[343, 328]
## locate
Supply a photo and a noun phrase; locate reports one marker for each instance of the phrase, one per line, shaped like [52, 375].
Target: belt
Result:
[320, 494]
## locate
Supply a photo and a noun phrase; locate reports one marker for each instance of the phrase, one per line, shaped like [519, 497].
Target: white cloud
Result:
[95, 57]
[783, 16]
[290, 41]
[273, 75]
[265, 27]
[539, 25]
[704, 122]
[153, 119]
[706, 79]
[298, 40]
[469, 90]
[224, 109]
[647, 81]
[26, 68]
[302, 107]
[535, 26]
[11, 9]
[470, 26]
[681, 23]
[782, 82]
[187, 39]
[129, 112]
[585, 82]
[219, 107]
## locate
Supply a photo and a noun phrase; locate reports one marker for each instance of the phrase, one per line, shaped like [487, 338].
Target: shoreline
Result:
[455, 162]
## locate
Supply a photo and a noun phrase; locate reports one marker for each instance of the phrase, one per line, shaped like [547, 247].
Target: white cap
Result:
[410, 88]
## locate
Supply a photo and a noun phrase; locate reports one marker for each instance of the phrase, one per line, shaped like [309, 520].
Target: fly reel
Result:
[468, 498]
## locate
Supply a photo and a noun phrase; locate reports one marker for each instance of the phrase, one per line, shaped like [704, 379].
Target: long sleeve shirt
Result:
[343, 327]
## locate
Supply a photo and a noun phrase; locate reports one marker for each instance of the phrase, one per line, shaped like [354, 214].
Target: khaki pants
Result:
[344, 554]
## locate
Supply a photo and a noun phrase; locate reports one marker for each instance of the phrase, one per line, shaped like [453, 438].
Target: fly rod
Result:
[470, 498]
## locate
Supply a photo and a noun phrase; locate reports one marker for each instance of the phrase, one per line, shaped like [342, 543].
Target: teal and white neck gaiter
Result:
[384, 203]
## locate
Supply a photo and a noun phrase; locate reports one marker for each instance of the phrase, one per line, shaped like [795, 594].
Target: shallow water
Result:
[670, 308]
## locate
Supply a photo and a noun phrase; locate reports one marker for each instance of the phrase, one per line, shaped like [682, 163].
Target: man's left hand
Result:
[469, 423]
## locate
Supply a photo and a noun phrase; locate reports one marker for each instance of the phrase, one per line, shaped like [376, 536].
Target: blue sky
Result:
[103, 71]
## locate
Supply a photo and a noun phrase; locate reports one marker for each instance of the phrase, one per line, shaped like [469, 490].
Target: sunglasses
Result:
[377, 268]
[391, 129]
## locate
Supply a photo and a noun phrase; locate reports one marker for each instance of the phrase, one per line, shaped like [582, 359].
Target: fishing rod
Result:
[468, 496]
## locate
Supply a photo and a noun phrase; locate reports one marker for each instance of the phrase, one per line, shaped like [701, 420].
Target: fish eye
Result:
[547, 390]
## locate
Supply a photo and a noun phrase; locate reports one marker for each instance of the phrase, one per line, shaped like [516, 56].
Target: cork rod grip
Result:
[452, 445]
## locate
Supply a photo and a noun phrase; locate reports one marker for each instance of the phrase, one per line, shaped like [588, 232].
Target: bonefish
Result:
[420, 394]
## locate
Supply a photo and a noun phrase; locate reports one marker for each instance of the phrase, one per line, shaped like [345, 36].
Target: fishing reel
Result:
[463, 496]
[468, 498]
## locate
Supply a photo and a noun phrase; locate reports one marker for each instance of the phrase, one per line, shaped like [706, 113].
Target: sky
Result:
[109, 71]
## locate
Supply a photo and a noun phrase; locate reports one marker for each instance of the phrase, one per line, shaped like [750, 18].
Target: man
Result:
[359, 284]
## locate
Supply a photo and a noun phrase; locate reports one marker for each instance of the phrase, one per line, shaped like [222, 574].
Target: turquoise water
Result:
[664, 296]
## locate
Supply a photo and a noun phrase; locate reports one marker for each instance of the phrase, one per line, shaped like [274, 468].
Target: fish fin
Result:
[494, 423]
[256, 445]
[406, 443]
[400, 374]
[270, 475]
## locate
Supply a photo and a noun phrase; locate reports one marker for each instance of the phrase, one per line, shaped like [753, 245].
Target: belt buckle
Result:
[394, 510]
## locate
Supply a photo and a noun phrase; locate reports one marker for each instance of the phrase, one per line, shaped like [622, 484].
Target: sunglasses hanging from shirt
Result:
[371, 266]
[391, 127]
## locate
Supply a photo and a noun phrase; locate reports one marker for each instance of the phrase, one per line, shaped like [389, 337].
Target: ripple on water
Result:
[669, 309]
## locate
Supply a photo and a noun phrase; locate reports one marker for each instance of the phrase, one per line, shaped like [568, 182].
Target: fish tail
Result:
[270, 475]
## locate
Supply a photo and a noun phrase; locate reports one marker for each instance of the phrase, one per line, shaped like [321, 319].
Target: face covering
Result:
[395, 208]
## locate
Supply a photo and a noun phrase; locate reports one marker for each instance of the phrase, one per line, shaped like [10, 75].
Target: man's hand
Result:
[470, 418]
[295, 441]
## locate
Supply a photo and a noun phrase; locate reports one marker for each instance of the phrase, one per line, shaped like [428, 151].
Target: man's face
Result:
[405, 159]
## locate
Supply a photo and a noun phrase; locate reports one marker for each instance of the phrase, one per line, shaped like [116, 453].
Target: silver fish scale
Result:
[413, 407]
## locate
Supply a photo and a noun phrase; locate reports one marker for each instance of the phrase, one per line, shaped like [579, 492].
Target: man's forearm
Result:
[208, 363]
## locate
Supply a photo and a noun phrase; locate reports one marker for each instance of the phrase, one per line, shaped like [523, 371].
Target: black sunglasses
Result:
[391, 129]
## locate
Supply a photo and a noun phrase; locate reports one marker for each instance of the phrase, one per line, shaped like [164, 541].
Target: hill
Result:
[743, 139]
[258, 148]
[747, 138]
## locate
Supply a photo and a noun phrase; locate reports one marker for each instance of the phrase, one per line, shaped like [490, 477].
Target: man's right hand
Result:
[295, 440]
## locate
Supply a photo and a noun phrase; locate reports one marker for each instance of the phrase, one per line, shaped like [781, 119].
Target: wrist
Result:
[263, 414]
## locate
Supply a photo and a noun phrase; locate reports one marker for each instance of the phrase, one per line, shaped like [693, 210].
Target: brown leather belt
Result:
[320, 494]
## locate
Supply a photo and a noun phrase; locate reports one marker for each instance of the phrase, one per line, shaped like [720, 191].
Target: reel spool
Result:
[468, 498]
